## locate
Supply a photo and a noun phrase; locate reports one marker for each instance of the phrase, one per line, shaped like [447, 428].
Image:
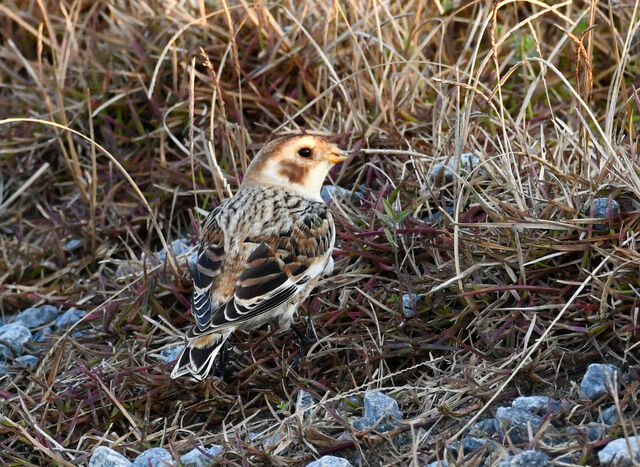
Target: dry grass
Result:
[521, 288]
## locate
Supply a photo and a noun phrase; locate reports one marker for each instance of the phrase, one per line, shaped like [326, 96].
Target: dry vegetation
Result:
[520, 287]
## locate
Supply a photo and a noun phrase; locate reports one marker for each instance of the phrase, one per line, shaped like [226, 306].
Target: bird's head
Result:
[299, 163]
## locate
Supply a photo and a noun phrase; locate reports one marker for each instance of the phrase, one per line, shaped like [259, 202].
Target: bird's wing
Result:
[279, 267]
[208, 265]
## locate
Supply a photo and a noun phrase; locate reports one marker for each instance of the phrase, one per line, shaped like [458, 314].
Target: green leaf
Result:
[390, 239]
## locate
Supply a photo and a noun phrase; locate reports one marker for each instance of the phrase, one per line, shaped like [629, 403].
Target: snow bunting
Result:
[263, 250]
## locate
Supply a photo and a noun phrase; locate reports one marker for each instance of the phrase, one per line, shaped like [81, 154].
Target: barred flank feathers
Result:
[197, 360]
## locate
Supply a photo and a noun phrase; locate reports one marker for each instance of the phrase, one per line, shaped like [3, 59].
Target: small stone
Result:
[527, 459]
[154, 457]
[170, 354]
[609, 415]
[349, 404]
[37, 316]
[601, 208]
[486, 427]
[196, 458]
[69, 318]
[107, 457]
[42, 334]
[380, 411]
[617, 452]
[330, 461]
[437, 216]
[329, 192]
[179, 247]
[441, 463]
[409, 304]
[536, 404]
[13, 336]
[516, 422]
[596, 380]
[468, 445]
[72, 245]
[303, 401]
[272, 440]
[594, 432]
[468, 162]
[26, 361]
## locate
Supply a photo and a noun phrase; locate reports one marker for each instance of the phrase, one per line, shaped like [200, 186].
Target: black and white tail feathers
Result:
[199, 355]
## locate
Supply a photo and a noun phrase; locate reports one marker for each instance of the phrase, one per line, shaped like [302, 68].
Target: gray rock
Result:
[42, 334]
[330, 461]
[468, 161]
[486, 427]
[527, 459]
[37, 316]
[609, 415]
[107, 457]
[154, 457]
[304, 400]
[12, 337]
[179, 247]
[349, 404]
[409, 303]
[26, 361]
[515, 423]
[170, 354]
[601, 208]
[437, 216]
[594, 432]
[536, 404]
[441, 463]
[196, 458]
[380, 411]
[468, 445]
[329, 192]
[595, 381]
[69, 318]
[617, 453]
[272, 440]
[71, 245]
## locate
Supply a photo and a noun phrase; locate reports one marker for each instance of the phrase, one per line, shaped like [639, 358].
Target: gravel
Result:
[196, 458]
[37, 316]
[380, 411]
[154, 457]
[536, 404]
[107, 457]
[330, 461]
[617, 452]
[596, 381]
[13, 337]
[527, 459]
[516, 423]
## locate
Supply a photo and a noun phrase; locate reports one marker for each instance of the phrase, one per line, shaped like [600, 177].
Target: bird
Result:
[262, 251]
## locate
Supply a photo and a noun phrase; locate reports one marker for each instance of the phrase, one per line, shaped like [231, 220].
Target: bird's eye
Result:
[304, 152]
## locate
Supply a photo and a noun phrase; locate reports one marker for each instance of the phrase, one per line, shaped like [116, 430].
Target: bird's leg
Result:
[306, 340]
[220, 368]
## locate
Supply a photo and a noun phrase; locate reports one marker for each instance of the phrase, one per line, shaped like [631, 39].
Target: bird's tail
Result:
[198, 356]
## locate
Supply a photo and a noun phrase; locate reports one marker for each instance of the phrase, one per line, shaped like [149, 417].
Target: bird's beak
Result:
[335, 155]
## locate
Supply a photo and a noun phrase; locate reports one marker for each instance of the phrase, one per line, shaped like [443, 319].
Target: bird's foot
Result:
[306, 340]
[220, 367]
